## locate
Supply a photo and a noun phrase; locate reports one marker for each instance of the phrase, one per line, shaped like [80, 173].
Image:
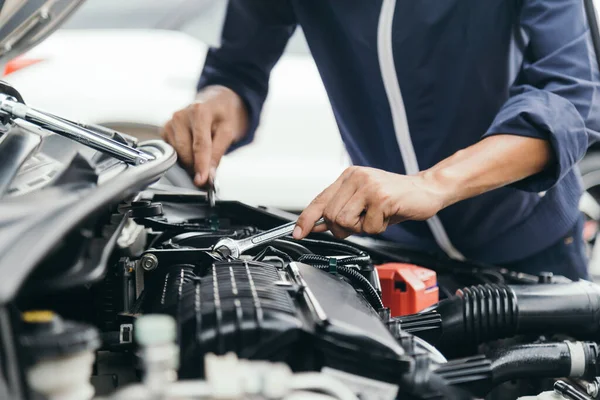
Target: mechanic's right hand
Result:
[203, 131]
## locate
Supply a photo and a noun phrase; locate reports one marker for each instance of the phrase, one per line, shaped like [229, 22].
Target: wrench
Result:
[211, 192]
[228, 247]
[9, 105]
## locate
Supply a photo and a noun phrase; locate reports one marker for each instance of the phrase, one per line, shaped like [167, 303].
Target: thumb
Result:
[222, 140]
[314, 211]
[202, 148]
[306, 221]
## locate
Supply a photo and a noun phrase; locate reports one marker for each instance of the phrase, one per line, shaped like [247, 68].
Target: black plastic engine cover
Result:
[300, 315]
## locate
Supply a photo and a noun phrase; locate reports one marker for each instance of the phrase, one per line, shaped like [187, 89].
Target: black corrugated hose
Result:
[341, 267]
[479, 314]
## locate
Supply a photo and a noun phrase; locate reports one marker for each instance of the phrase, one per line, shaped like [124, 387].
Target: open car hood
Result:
[24, 23]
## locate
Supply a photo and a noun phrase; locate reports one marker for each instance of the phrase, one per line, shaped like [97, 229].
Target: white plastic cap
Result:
[155, 329]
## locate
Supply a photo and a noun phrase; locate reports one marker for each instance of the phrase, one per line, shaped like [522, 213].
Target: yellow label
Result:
[38, 316]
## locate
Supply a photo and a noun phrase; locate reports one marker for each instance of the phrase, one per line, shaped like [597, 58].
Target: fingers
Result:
[202, 132]
[310, 215]
[339, 200]
[349, 219]
[167, 132]
[222, 140]
[374, 220]
[201, 122]
[352, 204]
[181, 139]
[314, 211]
[320, 228]
[339, 222]
[199, 140]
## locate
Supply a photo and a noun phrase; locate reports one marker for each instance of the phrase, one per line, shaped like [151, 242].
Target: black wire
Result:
[342, 247]
[355, 276]
[272, 250]
[313, 259]
[295, 248]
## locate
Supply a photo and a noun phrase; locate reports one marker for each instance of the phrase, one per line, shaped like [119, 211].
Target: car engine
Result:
[167, 306]
[112, 288]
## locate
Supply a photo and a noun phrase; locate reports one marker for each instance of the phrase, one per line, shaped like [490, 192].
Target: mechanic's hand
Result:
[368, 200]
[202, 132]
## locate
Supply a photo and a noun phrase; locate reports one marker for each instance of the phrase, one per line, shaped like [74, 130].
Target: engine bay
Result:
[113, 287]
[314, 306]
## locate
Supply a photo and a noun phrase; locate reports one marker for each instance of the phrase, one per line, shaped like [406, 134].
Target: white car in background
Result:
[130, 64]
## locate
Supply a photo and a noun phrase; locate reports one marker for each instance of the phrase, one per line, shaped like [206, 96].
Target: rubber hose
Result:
[363, 283]
[481, 374]
[543, 360]
[479, 314]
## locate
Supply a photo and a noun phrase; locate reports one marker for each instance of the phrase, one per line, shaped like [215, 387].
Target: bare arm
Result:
[493, 162]
[369, 200]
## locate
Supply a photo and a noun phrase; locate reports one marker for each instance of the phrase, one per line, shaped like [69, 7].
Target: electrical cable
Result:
[294, 248]
[270, 250]
[344, 248]
[313, 259]
[341, 266]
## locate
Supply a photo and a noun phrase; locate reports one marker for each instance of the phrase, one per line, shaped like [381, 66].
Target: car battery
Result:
[406, 288]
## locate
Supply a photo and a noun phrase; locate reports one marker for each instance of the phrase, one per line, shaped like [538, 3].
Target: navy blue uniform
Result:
[412, 82]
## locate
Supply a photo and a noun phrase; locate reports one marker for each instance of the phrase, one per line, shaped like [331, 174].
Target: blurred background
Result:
[130, 64]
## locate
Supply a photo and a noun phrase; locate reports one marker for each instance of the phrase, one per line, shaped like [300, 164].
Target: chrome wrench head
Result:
[231, 248]
[227, 248]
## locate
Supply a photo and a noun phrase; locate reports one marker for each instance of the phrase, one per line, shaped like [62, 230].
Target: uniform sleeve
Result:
[255, 33]
[556, 94]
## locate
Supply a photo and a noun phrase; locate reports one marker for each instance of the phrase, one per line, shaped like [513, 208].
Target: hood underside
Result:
[24, 23]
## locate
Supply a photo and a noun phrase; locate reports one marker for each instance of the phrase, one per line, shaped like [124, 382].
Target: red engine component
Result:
[406, 288]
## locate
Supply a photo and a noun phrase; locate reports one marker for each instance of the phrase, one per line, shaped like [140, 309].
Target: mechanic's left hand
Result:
[368, 200]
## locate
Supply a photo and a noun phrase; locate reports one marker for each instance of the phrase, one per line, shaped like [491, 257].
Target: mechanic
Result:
[464, 119]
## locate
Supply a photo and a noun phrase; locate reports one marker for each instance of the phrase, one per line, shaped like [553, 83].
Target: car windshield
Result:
[202, 19]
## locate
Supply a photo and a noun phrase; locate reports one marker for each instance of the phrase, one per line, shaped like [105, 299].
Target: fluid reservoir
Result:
[406, 288]
[60, 355]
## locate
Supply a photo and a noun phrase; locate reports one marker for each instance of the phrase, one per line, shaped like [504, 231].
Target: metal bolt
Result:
[545, 277]
[149, 262]
[592, 389]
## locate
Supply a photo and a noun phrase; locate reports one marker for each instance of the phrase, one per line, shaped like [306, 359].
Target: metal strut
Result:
[14, 109]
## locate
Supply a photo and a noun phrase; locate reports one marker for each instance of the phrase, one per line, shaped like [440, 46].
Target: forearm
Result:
[493, 162]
